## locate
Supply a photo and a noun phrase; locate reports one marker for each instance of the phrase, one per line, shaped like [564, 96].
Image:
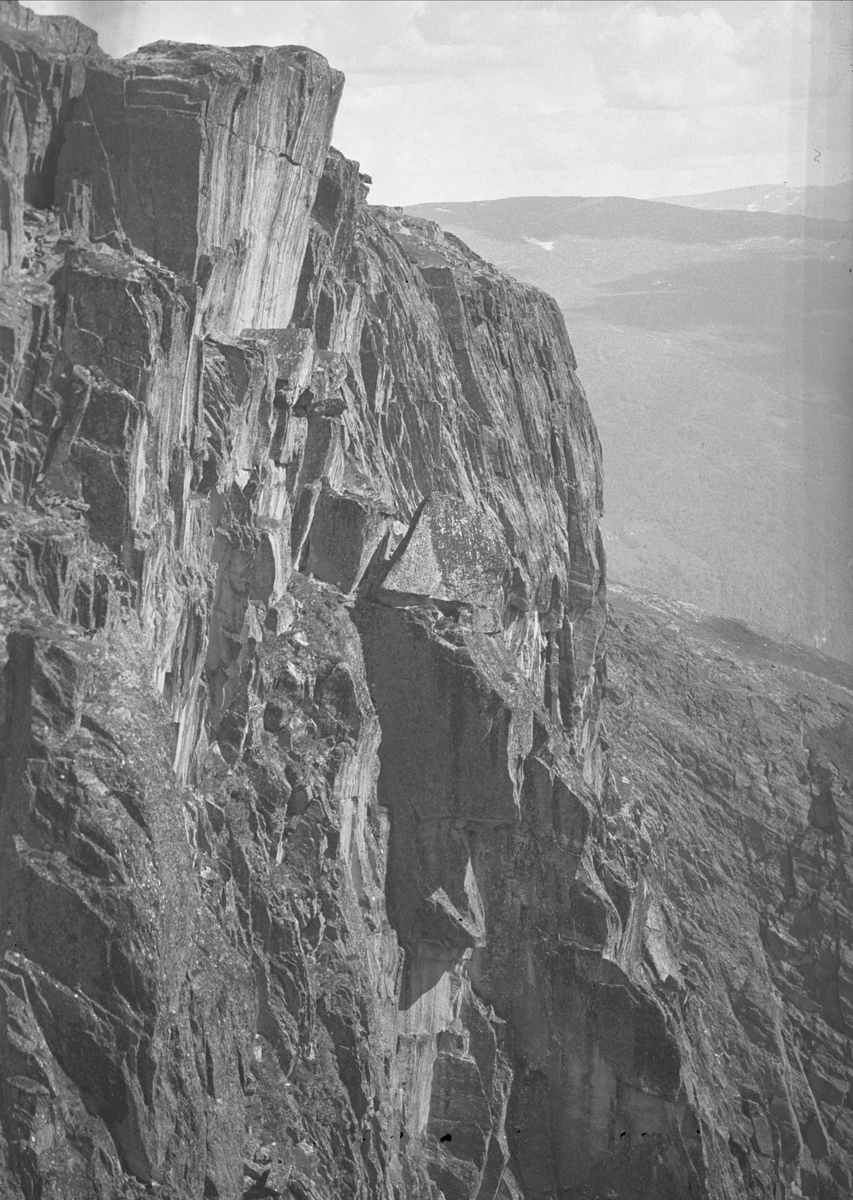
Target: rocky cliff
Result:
[319, 875]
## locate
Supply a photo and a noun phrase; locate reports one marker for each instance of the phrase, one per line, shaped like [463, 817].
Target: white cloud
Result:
[470, 99]
[663, 56]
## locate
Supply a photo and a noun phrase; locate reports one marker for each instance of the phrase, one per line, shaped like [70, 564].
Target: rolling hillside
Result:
[715, 347]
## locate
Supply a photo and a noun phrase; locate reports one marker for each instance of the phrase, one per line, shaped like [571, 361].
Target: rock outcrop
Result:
[315, 881]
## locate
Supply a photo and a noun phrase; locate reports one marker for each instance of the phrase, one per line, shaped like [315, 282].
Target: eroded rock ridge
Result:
[312, 879]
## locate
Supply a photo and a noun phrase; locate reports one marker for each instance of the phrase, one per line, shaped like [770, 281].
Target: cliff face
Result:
[314, 879]
[729, 800]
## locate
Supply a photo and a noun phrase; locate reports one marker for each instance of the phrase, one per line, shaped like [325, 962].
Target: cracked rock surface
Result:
[335, 861]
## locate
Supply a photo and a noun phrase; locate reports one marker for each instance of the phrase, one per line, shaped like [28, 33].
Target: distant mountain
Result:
[546, 217]
[834, 202]
[716, 349]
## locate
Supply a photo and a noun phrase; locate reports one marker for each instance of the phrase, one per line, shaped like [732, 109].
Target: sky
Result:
[480, 99]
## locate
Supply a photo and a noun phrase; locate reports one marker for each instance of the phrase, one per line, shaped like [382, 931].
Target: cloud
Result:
[649, 59]
[653, 56]
[474, 99]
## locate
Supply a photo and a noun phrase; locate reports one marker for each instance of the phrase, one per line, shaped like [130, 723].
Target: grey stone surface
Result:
[319, 873]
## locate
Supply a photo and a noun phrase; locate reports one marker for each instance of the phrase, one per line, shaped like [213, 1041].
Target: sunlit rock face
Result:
[315, 878]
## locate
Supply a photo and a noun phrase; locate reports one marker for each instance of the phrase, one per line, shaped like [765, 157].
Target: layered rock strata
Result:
[312, 880]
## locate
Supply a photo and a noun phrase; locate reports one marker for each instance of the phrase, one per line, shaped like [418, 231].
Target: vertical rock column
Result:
[208, 160]
[138, 913]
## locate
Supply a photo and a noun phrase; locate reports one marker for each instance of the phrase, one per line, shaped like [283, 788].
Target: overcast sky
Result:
[478, 99]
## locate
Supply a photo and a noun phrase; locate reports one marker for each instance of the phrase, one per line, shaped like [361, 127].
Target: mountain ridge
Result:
[616, 216]
[833, 201]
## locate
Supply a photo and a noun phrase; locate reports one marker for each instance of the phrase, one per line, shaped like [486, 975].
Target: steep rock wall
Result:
[308, 886]
[730, 805]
